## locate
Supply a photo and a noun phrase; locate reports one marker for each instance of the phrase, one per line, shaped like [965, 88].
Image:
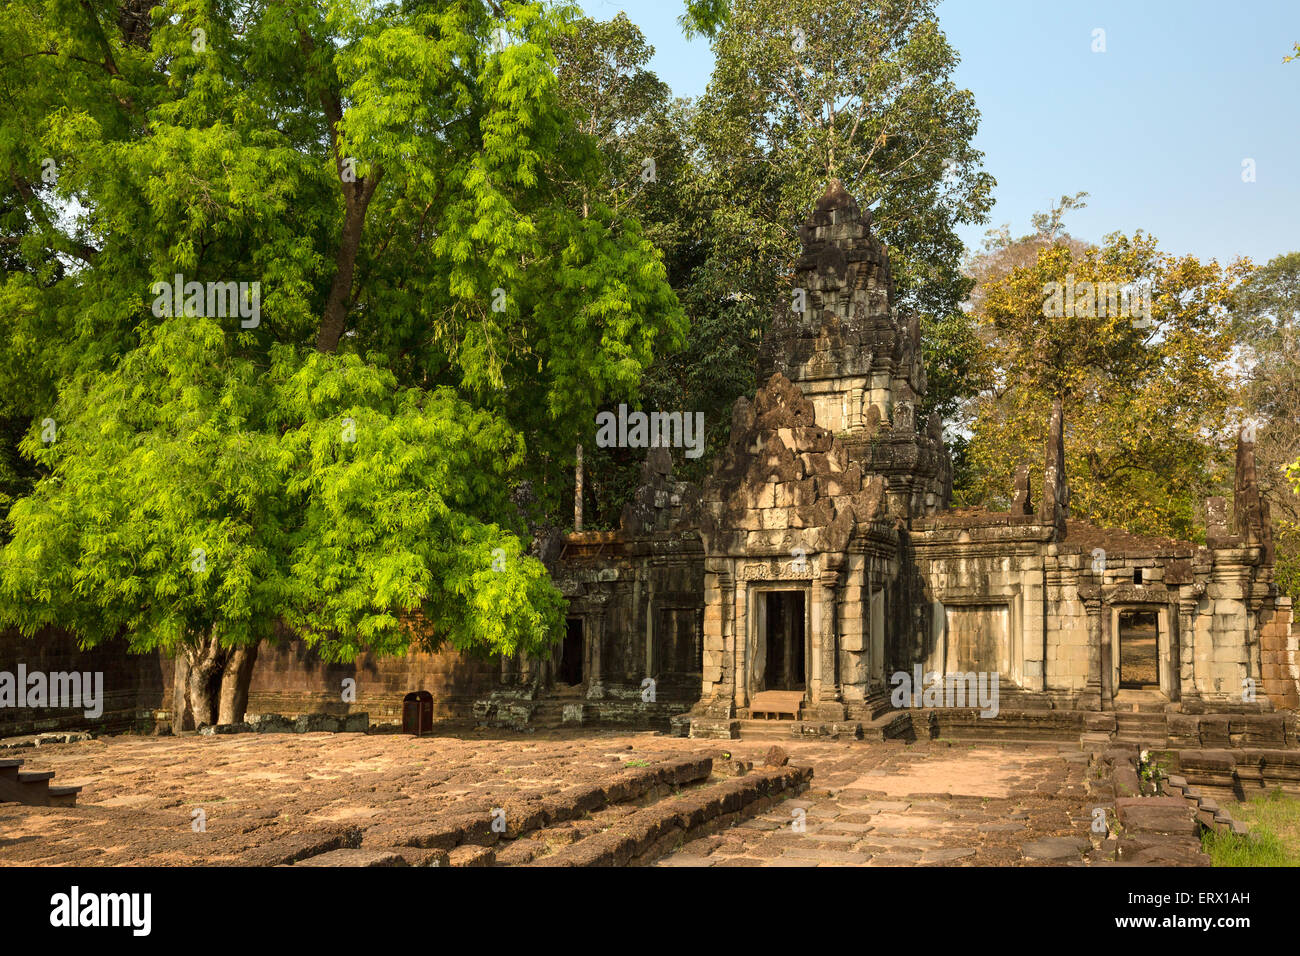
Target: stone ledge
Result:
[305, 724]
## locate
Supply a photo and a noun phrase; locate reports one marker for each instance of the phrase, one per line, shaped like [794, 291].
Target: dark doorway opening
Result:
[1139, 642]
[571, 652]
[785, 641]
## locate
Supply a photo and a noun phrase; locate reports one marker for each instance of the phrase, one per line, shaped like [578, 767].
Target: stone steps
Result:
[33, 788]
[1140, 720]
[1146, 730]
[633, 818]
[647, 834]
[891, 725]
[469, 839]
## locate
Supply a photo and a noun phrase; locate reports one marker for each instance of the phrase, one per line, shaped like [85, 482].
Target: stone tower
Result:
[841, 340]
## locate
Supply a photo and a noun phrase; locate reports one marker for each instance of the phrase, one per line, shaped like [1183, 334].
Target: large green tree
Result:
[863, 92]
[811, 90]
[1266, 310]
[438, 318]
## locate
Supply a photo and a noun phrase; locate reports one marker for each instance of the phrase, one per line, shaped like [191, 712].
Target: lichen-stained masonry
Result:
[821, 556]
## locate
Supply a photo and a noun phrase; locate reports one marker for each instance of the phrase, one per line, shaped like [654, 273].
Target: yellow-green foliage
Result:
[1143, 394]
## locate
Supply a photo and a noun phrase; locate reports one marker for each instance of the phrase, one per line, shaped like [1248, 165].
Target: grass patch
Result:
[1274, 840]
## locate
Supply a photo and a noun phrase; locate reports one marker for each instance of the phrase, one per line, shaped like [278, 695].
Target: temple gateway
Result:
[821, 557]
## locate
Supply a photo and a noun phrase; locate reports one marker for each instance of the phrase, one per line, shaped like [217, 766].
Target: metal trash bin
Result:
[417, 713]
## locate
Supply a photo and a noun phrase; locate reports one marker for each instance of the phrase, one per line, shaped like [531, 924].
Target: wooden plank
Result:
[776, 702]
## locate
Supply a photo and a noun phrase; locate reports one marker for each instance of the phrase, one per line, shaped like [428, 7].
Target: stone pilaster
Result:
[1106, 641]
[830, 698]
[595, 639]
[1094, 694]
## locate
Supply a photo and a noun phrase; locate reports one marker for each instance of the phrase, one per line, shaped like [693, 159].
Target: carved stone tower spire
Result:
[840, 339]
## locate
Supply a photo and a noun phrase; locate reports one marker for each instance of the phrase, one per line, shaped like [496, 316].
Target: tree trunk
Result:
[235, 683]
[334, 321]
[577, 491]
[210, 684]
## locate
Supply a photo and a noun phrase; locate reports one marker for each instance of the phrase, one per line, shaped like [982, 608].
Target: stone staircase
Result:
[1140, 730]
[642, 836]
[33, 787]
[878, 723]
[1147, 731]
[632, 819]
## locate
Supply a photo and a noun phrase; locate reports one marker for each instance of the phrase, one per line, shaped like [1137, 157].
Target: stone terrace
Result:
[586, 798]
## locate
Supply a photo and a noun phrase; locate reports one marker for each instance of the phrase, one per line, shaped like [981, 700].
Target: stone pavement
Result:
[269, 798]
[927, 804]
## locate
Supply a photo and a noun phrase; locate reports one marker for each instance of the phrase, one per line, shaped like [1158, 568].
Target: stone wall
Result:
[289, 678]
[1221, 623]
[1280, 654]
[982, 569]
[635, 620]
[641, 607]
[133, 684]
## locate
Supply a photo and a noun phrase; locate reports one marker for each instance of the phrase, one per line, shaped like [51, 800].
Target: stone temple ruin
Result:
[821, 556]
[820, 559]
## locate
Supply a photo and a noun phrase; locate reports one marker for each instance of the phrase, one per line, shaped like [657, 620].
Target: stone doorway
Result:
[571, 653]
[783, 640]
[1139, 650]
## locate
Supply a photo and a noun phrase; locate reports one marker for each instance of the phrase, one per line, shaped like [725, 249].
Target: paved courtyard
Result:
[926, 804]
[268, 798]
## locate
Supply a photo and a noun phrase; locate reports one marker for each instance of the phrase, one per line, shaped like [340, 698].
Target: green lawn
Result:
[1274, 840]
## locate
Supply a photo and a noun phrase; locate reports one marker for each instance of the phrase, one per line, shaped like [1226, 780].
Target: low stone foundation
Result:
[1240, 774]
[305, 724]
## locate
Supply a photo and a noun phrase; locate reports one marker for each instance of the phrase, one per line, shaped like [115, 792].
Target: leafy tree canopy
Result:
[401, 183]
[192, 492]
[1266, 314]
[1145, 379]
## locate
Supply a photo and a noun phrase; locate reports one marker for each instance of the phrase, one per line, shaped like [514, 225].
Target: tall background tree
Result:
[438, 317]
[1146, 391]
[801, 92]
[996, 258]
[1266, 311]
[811, 90]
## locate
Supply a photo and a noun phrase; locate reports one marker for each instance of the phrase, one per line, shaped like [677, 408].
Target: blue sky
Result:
[1155, 128]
